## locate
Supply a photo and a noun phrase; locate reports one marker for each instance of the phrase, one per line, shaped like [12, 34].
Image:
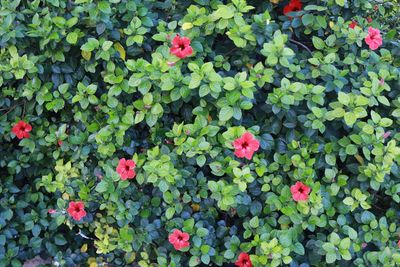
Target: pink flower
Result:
[51, 211]
[246, 145]
[22, 129]
[300, 191]
[181, 47]
[179, 239]
[364, 245]
[353, 24]
[76, 210]
[382, 81]
[369, 19]
[374, 38]
[243, 260]
[386, 135]
[126, 169]
[398, 244]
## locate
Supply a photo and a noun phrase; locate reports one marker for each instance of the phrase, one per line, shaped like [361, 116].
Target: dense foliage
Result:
[199, 133]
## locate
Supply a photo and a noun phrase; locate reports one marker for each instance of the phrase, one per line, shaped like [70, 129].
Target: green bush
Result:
[267, 129]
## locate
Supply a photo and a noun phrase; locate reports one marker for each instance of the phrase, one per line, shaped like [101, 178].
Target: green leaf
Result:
[287, 99]
[195, 81]
[344, 98]
[194, 261]
[106, 45]
[72, 37]
[60, 240]
[169, 213]
[318, 43]
[188, 224]
[225, 113]
[351, 149]
[307, 19]
[205, 258]
[157, 109]
[104, 7]
[201, 160]
[254, 222]
[213, 186]
[350, 118]
[224, 12]
[102, 187]
[329, 247]
[28, 143]
[90, 45]
[202, 232]
[349, 201]
[229, 254]
[340, 2]
[330, 257]
[367, 217]
[299, 249]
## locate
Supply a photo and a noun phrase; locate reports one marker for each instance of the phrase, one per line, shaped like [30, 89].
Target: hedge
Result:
[199, 133]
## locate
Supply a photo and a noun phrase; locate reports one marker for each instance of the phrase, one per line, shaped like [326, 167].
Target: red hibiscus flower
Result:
[293, 6]
[126, 169]
[181, 47]
[179, 239]
[300, 191]
[374, 38]
[353, 24]
[22, 129]
[244, 260]
[76, 210]
[246, 145]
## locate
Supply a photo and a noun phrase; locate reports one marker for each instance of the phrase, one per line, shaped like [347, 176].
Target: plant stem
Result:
[302, 45]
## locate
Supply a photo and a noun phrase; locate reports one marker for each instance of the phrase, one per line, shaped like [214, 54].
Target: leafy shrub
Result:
[266, 132]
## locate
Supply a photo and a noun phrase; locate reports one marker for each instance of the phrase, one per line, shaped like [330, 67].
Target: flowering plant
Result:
[199, 133]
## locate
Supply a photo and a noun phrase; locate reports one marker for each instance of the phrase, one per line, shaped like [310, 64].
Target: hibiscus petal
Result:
[176, 40]
[187, 51]
[249, 154]
[254, 144]
[130, 163]
[172, 239]
[185, 236]
[81, 214]
[185, 41]
[130, 174]
[80, 205]
[373, 46]
[247, 137]
[238, 143]
[120, 169]
[28, 127]
[240, 153]
[20, 134]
